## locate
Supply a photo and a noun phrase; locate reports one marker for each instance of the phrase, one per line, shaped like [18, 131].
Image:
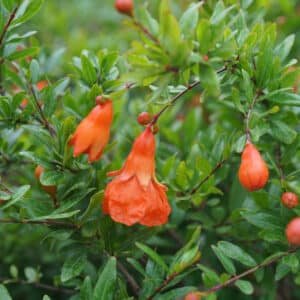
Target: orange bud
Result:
[289, 200]
[124, 7]
[205, 57]
[50, 189]
[24, 103]
[144, 118]
[192, 296]
[292, 232]
[92, 134]
[41, 84]
[253, 172]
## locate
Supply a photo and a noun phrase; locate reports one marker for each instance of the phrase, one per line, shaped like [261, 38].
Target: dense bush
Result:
[217, 84]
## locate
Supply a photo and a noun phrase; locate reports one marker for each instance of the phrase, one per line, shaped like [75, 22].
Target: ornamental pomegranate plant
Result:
[149, 150]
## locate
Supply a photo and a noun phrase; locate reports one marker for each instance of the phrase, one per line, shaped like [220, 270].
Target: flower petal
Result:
[158, 208]
[125, 201]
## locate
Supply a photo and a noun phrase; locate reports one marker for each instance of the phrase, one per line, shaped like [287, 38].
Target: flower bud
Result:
[144, 118]
[192, 296]
[292, 232]
[253, 172]
[289, 199]
[124, 7]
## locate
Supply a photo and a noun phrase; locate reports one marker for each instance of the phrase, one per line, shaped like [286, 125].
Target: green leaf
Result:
[188, 258]
[220, 12]
[236, 253]
[284, 98]
[182, 175]
[169, 29]
[105, 286]
[33, 7]
[281, 271]
[55, 216]
[23, 53]
[209, 79]
[262, 220]
[94, 203]
[9, 4]
[4, 295]
[17, 196]
[13, 270]
[283, 132]
[153, 255]
[88, 70]
[284, 48]
[34, 71]
[50, 177]
[225, 261]
[245, 286]
[209, 276]
[86, 290]
[31, 274]
[189, 19]
[72, 267]
[204, 36]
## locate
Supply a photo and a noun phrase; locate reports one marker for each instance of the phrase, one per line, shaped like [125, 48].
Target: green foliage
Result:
[230, 67]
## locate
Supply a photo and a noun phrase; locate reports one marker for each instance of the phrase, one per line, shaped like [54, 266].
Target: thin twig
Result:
[40, 222]
[179, 95]
[2, 35]
[131, 281]
[163, 285]
[246, 273]
[249, 115]
[146, 32]
[6, 26]
[44, 119]
[38, 285]
[212, 172]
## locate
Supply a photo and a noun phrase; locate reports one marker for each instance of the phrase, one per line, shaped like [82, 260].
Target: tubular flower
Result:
[253, 171]
[92, 134]
[135, 195]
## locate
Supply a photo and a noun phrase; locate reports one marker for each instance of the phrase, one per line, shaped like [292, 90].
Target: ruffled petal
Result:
[125, 201]
[158, 208]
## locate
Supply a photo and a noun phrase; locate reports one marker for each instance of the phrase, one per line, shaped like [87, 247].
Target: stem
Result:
[43, 117]
[39, 285]
[6, 26]
[280, 168]
[146, 32]
[179, 95]
[212, 172]
[134, 285]
[249, 115]
[246, 273]
[2, 35]
[41, 222]
[163, 285]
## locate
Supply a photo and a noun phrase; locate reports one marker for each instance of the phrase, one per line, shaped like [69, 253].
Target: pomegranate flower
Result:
[135, 195]
[92, 134]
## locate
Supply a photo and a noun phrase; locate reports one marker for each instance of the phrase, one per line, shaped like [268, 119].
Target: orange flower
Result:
[135, 195]
[92, 134]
